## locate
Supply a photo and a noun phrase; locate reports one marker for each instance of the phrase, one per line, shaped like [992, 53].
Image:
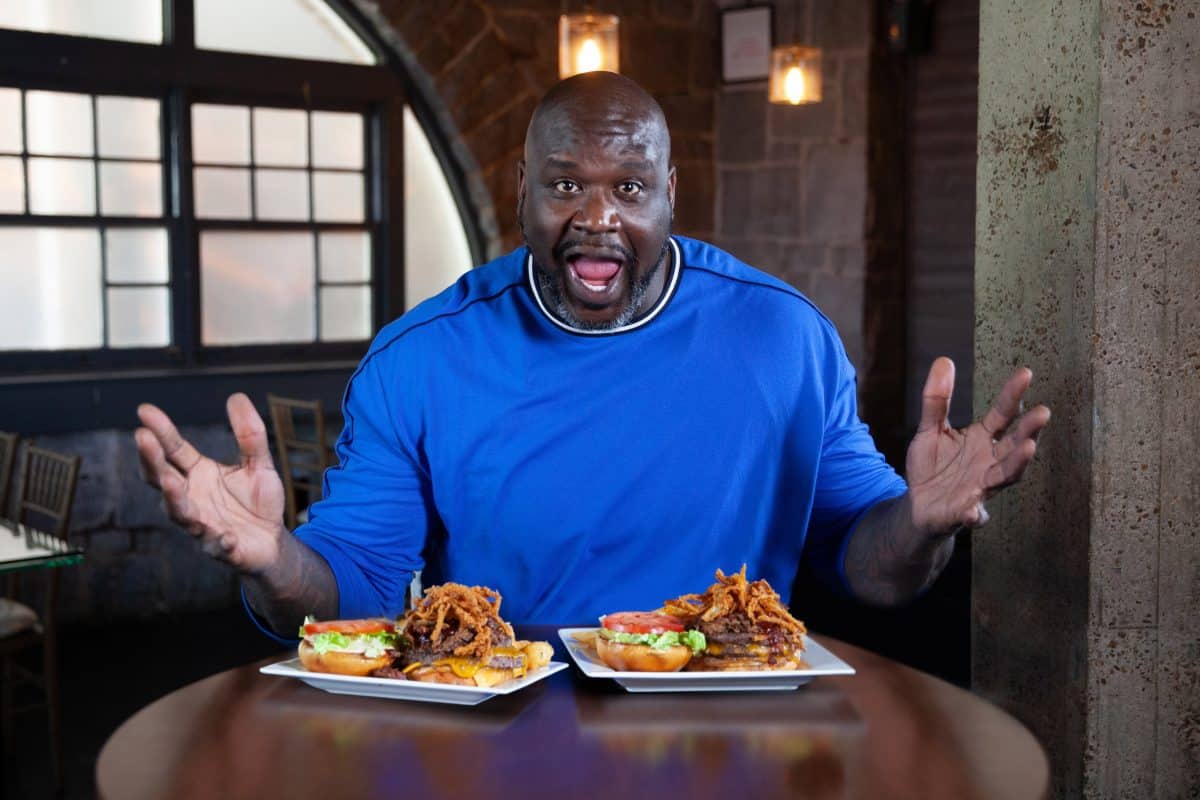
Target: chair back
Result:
[47, 490]
[8, 454]
[299, 427]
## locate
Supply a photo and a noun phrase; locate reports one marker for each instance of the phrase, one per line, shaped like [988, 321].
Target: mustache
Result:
[560, 249]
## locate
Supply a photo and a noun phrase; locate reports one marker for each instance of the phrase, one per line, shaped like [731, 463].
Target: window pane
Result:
[280, 137]
[61, 186]
[220, 134]
[127, 20]
[130, 190]
[136, 255]
[128, 127]
[12, 186]
[291, 28]
[256, 288]
[345, 313]
[222, 193]
[345, 257]
[10, 121]
[337, 140]
[338, 197]
[435, 243]
[281, 194]
[49, 288]
[139, 317]
[60, 124]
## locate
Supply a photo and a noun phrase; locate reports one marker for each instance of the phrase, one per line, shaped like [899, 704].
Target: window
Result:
[208, 190]
[92, 271]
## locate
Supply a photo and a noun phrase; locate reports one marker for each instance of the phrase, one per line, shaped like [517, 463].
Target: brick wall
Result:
[943, 106]
[486, 63]
[792, 181]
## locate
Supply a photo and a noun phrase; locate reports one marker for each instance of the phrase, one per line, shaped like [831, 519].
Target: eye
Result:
[566, 185]
[629, 188]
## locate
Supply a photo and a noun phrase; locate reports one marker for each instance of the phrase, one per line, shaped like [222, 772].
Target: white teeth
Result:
[596, 287]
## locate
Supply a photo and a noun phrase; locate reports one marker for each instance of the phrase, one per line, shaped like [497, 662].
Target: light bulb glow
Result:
[588, 57]
[793, 86]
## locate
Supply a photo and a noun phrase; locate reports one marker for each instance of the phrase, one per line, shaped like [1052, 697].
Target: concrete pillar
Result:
[1086, 592]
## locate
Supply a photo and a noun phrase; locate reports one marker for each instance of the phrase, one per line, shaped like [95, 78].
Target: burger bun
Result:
[641, 657]
[339, 663]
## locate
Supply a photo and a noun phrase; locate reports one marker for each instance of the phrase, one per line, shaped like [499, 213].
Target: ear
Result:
[520, 182]
[671, 189]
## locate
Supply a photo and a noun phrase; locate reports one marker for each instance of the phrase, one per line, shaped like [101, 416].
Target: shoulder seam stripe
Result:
[443, 315]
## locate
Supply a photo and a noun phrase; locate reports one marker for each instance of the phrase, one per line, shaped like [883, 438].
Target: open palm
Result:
[235, 510]
[952, 472]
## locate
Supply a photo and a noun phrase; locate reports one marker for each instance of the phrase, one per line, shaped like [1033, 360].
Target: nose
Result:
[596, 214]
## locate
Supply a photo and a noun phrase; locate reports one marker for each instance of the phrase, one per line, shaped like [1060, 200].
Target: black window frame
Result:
[99, 388]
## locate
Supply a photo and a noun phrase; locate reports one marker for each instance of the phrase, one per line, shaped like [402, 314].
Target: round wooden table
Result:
[887, 732]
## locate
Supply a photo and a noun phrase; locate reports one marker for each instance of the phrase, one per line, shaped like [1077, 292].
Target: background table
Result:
[23, 547]
[887, 732]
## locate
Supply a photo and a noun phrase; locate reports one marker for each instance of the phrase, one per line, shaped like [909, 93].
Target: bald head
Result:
[598, 104]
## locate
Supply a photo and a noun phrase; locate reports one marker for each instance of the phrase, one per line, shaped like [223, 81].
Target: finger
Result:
[1009, 469]
[152, 460]
[174, 491]
[1008, 403]
[177, 449]
[935, 397]
[977, 516]
[250, 432]
[1029, 427]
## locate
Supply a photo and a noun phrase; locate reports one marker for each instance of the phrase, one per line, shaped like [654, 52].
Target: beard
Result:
[551, 285]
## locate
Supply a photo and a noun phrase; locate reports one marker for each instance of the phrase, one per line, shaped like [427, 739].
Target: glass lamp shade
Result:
[795, 75]
[586, 43]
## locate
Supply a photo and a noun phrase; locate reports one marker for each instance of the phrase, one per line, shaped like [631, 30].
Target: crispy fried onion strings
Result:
[470, 606]
[731, 594]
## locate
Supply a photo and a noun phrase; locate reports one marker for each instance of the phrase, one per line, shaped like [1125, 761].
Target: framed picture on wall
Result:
[745, 44]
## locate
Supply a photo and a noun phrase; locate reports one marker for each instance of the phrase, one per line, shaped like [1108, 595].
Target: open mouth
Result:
[596, 277]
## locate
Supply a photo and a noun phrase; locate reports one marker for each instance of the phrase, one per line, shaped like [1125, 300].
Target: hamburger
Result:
[744, 625]
[454, 634]
[645, 641]
[347, 646]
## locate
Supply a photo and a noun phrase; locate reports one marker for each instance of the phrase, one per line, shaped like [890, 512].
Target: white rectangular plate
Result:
[394, 689]
[820, 662]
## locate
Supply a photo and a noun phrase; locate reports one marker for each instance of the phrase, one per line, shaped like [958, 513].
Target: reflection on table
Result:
[888, 731]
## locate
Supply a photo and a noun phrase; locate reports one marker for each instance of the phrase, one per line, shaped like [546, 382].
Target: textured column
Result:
[1087, 591]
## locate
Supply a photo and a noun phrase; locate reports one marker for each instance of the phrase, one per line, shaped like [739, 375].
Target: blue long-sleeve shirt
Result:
[580, 474]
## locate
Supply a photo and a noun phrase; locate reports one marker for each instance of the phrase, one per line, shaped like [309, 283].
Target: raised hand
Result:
[951, 473]
[235, 510]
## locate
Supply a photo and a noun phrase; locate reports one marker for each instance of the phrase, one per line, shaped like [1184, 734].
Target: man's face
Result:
[595, 204]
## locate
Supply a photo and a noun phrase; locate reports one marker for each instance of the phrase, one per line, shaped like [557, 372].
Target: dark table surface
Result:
[887, 732]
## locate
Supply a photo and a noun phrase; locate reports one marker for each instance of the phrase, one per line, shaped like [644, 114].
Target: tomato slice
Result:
[350, 626]
[642, 622]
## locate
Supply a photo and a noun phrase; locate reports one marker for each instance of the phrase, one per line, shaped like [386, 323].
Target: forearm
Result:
[299, 583]
[889, 561]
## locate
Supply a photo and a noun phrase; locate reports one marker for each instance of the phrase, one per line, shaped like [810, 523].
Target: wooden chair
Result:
[299, 428]
[8, 454]
[47, 493]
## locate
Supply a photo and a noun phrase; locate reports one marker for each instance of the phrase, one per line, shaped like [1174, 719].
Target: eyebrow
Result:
[630, 165]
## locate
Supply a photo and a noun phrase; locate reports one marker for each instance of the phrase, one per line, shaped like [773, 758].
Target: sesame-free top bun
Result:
[340, 663]
[641, 657]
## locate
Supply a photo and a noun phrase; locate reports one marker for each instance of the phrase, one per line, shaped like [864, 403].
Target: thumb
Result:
[935, 397]
[250, 432]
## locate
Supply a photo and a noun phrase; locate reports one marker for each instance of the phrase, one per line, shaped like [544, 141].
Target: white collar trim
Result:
[659, 305]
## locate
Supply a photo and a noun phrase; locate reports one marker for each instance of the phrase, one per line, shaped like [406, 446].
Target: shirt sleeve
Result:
[852, 475]
[372, 522]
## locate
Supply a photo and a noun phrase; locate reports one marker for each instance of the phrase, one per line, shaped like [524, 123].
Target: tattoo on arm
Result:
[302, 583]
[888, 561]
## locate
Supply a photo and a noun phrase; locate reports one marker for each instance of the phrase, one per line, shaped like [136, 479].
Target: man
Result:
[597, 422]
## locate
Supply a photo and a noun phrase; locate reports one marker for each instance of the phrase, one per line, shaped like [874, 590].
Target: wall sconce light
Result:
[586, 43]
[795, 75]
